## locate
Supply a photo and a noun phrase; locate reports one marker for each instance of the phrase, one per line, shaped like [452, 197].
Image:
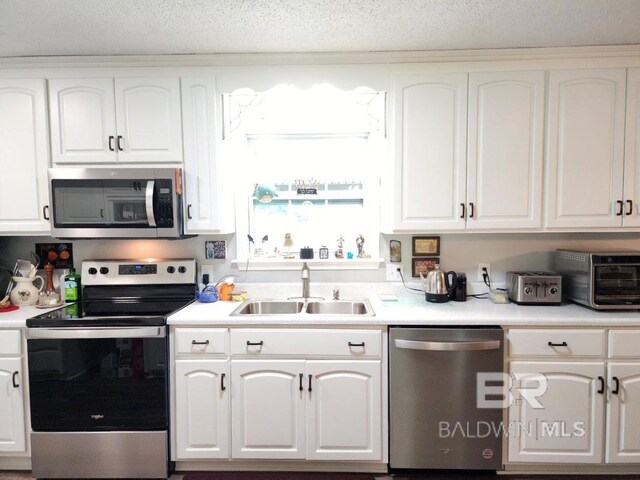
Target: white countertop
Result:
[409, 309]
[412, 309]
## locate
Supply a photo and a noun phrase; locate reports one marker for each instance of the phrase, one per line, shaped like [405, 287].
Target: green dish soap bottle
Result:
[72, 286]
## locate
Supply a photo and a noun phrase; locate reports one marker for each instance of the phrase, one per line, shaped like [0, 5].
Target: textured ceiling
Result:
[105, 27]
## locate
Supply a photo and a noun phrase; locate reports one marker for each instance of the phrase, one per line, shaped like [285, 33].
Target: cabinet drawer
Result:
[10, 343]
[201, 341]
[556, 343]
[308, 342]
[624, 343]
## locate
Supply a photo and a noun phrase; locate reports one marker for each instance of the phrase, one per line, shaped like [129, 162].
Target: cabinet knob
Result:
[222, 386]
[45, 212]
[14, 379]
[189, 212]
[601, 380]
[120, 147]
[111, 138]
[629, 207]
[620, 204]
[462, 211]
[563, 344]
[471, 209]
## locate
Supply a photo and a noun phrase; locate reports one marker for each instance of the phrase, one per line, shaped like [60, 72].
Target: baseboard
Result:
[15, 463]
[279, 466]
[570, 469]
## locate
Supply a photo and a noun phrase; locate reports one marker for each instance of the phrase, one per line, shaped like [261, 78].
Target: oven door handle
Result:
[448, 346]
[148, 196]
[97, 332]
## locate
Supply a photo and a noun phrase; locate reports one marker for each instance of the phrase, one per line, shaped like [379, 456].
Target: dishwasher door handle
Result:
[448, 346]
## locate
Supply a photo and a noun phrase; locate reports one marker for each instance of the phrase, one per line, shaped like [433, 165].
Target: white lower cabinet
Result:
[567, 426]
[276, 399]
[12, 401]
[344, 420]
[268, 409]
[589, 409]
[623, 413]
[202, 408]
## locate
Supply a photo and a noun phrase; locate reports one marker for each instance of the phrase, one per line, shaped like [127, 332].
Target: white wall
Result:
[459, 252]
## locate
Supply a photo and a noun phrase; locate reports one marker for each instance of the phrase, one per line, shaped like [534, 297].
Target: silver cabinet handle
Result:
[149, 202]
[71, 333]
[447, 346]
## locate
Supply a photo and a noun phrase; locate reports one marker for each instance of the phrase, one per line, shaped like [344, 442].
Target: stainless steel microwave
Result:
[600, 280]
[116, 202]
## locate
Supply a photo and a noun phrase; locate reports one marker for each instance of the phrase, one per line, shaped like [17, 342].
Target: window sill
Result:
[314, 263]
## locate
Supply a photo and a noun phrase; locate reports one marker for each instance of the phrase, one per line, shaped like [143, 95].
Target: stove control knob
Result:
[528, 290]
[104, 270]
[553, 290]
[171, 269]
[92, 271]
[182, 269]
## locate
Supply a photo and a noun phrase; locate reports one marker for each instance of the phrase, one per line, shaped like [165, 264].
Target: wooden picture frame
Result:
[423, 265]
[425, 246]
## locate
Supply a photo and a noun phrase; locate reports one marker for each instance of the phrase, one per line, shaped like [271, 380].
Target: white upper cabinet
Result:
[631, 216]
[148, 120]
[430, 125]
[83, 121]
[126, 120]
[585, 148]
[206, 207]
[24, 157]
[505, 154]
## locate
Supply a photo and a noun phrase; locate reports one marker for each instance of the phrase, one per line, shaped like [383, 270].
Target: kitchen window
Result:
[308, 175]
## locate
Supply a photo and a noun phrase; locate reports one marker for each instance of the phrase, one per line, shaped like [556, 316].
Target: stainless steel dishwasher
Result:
[435, 421]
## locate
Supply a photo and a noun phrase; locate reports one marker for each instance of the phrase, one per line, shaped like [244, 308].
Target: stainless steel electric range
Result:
[98, 372]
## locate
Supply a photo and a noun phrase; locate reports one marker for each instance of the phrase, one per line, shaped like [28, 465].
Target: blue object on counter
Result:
[349, 255]
[209, 294]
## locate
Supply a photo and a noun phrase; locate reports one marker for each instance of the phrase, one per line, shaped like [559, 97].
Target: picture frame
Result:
[215, 249]
[425, 246]
[423, 265]
[395, 251]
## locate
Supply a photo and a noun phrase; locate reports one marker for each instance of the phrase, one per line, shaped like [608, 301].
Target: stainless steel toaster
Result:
[534, 288]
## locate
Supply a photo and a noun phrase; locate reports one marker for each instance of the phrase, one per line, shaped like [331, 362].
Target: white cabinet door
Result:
[148, 119]
[83, 120]
[268, 405]
[12, 426]
[430, 128]
[632, 151]
[569, 426]
[202, 409]
[585, 148]
[200, 123]
[504, 167]
[623, 413]
[24, 157]
[344, 410]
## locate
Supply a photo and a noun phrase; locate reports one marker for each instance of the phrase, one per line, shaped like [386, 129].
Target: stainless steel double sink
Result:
[311, 307]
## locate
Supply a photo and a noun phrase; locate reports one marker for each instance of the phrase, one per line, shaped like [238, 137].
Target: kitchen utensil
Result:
[25, 292]
[24, 267]
[437, 286]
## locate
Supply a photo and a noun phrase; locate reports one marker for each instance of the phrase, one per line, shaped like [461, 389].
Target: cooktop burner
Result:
[126, 293]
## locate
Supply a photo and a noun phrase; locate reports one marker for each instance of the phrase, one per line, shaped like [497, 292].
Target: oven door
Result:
[98, 379]
[617, 285]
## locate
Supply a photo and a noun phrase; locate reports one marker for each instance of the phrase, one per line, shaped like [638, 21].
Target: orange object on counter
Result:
[224, 291]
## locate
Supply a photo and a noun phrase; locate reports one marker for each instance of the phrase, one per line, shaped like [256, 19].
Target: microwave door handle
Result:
[149, 202]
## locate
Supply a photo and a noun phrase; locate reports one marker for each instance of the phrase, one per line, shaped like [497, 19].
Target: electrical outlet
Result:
[392, 272]
[207, 269]
[481, 266]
